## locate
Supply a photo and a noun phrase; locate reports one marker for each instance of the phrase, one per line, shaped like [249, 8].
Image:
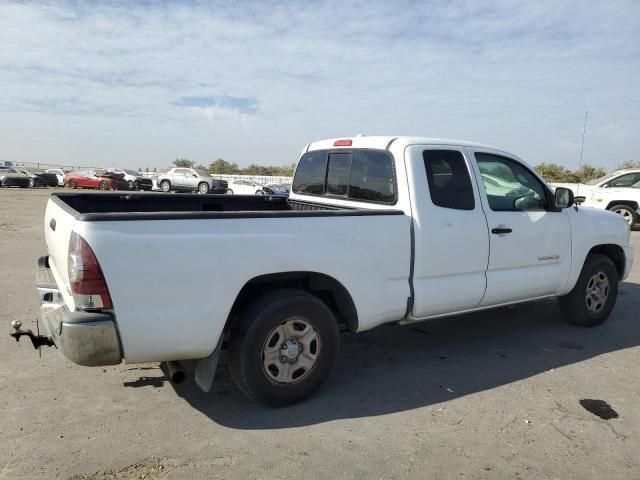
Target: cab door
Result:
[530, 239]
[451, 241]
[178, 179]
[191, 179]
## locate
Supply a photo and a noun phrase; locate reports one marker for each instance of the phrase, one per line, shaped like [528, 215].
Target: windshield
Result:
[131, 172]
[596, 181]
[7, 170]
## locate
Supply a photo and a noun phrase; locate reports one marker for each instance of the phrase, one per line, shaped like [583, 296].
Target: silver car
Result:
[190, 180]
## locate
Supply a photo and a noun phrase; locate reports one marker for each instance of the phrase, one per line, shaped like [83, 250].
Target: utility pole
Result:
[584, 130]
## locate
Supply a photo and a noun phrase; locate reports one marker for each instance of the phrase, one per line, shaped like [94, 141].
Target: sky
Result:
[138, 84]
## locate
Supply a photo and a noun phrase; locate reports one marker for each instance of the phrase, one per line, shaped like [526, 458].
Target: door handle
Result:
[500, 231]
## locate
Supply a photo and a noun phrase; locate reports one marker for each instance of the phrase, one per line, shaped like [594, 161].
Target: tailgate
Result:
[58, 224]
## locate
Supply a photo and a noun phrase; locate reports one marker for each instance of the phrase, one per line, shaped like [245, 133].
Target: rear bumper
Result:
[86, 338]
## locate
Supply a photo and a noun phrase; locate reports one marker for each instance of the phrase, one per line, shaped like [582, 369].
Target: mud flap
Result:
[206, 368]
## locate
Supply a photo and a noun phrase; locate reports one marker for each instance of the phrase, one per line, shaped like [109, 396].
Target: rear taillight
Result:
[88, 286]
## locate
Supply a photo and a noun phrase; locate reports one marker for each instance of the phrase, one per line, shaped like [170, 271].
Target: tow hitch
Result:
[36, 339]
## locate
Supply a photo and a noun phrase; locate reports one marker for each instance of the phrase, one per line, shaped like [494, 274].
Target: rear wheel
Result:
[229, 191]
[132, 185]
[165, 186]
[259, 192]
[283, 347]
[203, 188]
[626, 212]
[72, 184]
[32, 183]
[594, 295]
[102, 185]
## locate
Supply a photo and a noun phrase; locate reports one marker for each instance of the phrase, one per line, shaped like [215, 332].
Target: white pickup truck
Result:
[376, 230]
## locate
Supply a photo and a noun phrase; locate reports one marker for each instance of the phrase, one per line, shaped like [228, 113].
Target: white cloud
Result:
[102, 80]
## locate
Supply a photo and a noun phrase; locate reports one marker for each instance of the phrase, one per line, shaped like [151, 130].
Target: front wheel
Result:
[283, 347]
[626, 212]
[132, 185]
[72, 184]
[165, 186]
[229, 191]
[203, 188]
[594, 295]
[102, 185]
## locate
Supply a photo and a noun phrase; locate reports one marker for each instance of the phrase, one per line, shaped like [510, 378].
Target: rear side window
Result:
[310, 174]
[449, 179]
[338, 173]
[372, 177]
[363, 175]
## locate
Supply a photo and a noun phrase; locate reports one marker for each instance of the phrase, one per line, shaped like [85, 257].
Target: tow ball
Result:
[36, 339]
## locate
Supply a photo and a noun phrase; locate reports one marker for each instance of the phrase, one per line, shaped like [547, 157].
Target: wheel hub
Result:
[597, 291]
[290, 350]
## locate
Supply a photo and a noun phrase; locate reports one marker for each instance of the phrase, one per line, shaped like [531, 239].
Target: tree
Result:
[629, 164]
[222, 167]
[552, 172]
[184, 163]
[588, 172]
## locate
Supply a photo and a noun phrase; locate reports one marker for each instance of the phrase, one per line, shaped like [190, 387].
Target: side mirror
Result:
[564, 197]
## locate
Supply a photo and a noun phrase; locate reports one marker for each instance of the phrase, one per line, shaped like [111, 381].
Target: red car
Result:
[99, 179]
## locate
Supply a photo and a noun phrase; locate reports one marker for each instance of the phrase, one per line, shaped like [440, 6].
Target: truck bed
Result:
[116, 206]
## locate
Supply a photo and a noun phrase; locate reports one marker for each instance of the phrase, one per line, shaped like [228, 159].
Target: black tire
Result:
[165, 185]
[73, 184]
[131, 184]
[203, 188]
[259, 192]
[626, 212]
[255, 326]
[229, 191]
[577, 306]
[32, 183]
[102, 185]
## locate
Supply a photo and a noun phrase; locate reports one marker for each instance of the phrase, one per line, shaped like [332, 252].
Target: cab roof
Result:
[383, 142]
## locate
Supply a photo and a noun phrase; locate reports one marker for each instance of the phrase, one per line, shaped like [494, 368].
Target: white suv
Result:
[617, 192]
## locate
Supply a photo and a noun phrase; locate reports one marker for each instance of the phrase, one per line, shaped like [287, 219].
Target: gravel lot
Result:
[489, 395]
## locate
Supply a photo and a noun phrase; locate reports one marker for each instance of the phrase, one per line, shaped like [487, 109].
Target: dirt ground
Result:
[490, 395]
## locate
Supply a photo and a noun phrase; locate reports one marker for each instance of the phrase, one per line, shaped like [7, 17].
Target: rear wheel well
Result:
[628, 203]
[614, 253]
[326, 288]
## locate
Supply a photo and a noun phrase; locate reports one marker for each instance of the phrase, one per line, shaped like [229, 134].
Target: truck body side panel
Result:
[173, 282]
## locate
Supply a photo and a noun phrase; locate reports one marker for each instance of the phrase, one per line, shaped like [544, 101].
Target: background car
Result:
[38, 177]
[10, 178]
[134, 180]
[244, 187]
[99, 179]
[189, 180]
[279, 189]
[59, 173]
